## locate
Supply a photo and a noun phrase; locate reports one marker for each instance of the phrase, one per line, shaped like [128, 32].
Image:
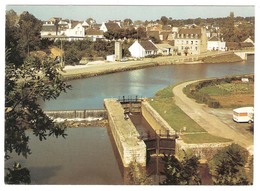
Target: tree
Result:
[127, 22]
[29, 33]
[25, 85]
[12, 37]
[18, 175]
[164, 20]
[228, 165]
[183, 172]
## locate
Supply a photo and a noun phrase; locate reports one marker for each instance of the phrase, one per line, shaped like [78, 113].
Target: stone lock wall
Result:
[126, 137]
[205, 151]
[155, 120]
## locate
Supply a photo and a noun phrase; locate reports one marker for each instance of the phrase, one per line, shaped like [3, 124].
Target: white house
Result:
[215, 44]
[140, 49]
[48, 29]
[75, 31]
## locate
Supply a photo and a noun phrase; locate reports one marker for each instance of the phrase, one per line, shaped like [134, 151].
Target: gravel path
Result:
[202, 115]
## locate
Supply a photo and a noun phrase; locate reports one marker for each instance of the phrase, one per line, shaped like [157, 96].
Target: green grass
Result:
[227, 89]
[203, 138]
[164, 104]
[174, 116]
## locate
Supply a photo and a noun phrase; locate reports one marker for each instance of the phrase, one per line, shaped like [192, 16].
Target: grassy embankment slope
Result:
[164, 104]
[222, 58]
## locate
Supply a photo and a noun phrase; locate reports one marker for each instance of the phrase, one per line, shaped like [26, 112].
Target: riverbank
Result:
[104, 67]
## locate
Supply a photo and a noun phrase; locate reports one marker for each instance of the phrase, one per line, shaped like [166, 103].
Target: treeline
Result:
[74, 51]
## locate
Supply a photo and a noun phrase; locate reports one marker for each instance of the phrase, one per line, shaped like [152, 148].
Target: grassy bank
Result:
[229, 92]
[222, 58]
[164, 104]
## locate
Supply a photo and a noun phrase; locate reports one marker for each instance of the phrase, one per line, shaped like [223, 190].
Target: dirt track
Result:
[202, 115]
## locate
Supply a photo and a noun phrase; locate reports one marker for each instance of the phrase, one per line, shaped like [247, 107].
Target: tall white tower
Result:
[118, 50]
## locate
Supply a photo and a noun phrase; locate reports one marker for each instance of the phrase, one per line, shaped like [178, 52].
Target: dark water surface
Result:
[86, 156]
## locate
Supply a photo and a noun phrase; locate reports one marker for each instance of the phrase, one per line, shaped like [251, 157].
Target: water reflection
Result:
[84, 157]
[90, 93]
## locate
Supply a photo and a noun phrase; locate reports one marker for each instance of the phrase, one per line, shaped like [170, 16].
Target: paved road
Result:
[204, 116]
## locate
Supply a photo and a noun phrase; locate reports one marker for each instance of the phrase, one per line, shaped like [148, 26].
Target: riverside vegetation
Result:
[229, 92]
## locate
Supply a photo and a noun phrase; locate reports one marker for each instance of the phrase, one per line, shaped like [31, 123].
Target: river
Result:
[86, 156]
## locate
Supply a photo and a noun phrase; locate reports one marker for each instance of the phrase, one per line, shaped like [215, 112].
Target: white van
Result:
[243, 114]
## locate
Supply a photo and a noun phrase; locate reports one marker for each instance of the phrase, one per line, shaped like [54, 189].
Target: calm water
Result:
[90, 93]
[86, 156]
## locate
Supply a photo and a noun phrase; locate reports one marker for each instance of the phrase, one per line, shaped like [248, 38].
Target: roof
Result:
[148, 45]
[50, 28]
[154, 34]
[165, 34]
[214, 38]
[246, 44]
[112, 26]
[190, 31]
[232, 44]
[162, 46]
[94, 32]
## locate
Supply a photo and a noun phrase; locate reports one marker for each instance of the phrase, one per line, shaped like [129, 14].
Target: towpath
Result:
[202, 115]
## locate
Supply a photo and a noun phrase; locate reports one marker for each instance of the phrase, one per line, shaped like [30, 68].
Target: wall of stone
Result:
[205, 151]
[126, 137]
[155, 120]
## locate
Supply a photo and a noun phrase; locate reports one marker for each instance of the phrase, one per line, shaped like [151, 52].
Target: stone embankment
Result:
[127, 139]
[154, 119]
[91, 70]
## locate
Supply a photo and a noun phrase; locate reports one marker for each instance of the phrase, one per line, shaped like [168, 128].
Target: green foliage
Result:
[29, 33]
[228, 164]
[24, 86]
[12, 37]
[183, 172]
[17, 175]
[75, 50]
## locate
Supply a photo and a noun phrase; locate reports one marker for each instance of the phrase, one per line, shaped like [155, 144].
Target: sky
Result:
[103, 13]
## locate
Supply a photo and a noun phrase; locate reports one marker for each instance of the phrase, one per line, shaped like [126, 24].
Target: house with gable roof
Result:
[110, 26]
[214, 43]
[143, 48]
[75, 30]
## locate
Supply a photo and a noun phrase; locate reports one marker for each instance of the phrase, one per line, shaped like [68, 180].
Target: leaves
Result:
[18, 175]
[183, 172]
[25, 85]
[228, 166]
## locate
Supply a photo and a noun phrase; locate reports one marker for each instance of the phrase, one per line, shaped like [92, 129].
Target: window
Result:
[196, 48]
[187, 42]
[191, 42]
